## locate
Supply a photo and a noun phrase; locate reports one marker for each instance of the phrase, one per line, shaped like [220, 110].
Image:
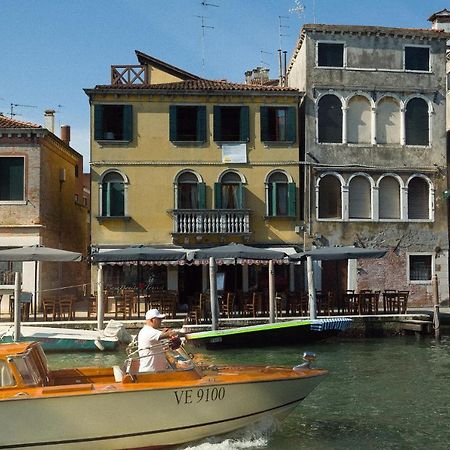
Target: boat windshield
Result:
[6, 377]
[27, 369]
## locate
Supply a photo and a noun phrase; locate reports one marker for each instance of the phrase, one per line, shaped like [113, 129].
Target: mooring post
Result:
[311, 289]
[272, 299]
[100, 297]
[436, 324]
[213, 294]
[17, 307]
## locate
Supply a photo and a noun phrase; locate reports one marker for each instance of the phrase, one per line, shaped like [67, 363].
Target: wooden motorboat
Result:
[120, 408]
[55, 339]
[292, 332]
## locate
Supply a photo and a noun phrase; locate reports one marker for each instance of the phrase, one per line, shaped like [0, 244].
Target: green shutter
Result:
[292, 200]
[105, 199]
[291, 124]
[201, 192]
[127, 123]
[240, 196]
[98, 122]
[117, 199]
[217, 123]
[218, 195]
[173, 123]
[264, 123]
[201, 123]
[273, 199]
[244, 125]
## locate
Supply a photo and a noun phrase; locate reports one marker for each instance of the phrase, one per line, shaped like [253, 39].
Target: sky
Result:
[53, 49]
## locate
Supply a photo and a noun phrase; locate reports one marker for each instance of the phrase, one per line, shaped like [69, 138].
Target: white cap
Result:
[154, 314]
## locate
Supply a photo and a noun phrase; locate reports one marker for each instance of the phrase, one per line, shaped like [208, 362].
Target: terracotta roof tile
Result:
[202, 85]
[6, 122]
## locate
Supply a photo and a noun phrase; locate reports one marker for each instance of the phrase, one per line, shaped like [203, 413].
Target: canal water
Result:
[391, 393]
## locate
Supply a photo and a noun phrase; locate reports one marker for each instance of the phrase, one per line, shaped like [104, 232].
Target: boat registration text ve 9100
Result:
[208, 394]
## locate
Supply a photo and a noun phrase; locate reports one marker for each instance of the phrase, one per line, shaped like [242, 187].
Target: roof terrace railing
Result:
[129, 75]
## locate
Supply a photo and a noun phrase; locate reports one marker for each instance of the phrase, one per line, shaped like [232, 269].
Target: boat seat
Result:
[118, 374]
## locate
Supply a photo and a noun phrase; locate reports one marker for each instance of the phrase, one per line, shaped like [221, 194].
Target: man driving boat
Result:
[152, 357]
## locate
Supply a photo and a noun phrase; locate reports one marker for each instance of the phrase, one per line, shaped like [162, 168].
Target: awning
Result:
[339, 253]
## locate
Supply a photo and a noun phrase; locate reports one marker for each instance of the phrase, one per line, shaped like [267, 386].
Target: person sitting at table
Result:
[151, 355]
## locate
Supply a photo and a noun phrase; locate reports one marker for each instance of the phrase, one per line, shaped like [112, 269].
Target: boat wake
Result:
[255, 436]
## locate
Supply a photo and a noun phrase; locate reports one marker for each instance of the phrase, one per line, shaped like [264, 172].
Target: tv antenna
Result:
[281, 27]
[264, 63]
[205, 27]
[298, 9]
[15, 105]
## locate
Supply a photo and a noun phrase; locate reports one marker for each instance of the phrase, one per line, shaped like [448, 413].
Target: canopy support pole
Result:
[17, 306]
[271, 291]
[213, 294]
[311, 290]
[100, 302]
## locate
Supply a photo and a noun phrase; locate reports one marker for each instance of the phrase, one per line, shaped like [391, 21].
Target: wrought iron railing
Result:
[218, 221]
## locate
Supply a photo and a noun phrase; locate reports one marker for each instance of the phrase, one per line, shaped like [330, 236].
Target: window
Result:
[6, 377]
[281, 196]
[420, 267]
[113, 195]
[418, 199]
[388, 121]
[12, 179]
[228, 193]
[113, 122]
[278, 124]
[187, 123]
[330, 54]
[231, 123]
[416, 122]
[330, 119]
[190, 193]
[330, 206]
[417, 58]
[359, 120]
[359, 198]
[389, 198]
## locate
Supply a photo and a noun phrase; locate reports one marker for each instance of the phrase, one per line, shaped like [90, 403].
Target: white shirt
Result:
[151, 360]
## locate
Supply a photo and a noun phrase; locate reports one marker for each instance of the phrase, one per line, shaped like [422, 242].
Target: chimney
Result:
[49, 119]
[259, 75]
[441, 20]
[65, 134]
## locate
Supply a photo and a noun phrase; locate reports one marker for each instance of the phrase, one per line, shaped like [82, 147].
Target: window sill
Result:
[13, 202]
[420, 282]
[113, 218]
[188, 143]
[279, 217]
[278, 143]
[220, 143]
[104, 142]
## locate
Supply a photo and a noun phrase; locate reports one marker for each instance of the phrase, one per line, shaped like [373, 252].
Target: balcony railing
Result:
[218, 221]
[128, 75]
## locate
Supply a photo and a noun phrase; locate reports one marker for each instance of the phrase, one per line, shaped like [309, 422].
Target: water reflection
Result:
[380, 394]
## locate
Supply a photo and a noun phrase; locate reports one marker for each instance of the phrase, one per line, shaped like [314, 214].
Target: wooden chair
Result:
[254, 305]
[402, 300]
[298, 303]
[227, 304]
[49, 309]
[390, 300]
[281, 303]
[66, 308]
[92, 306]
[197, 313]
[124, 306]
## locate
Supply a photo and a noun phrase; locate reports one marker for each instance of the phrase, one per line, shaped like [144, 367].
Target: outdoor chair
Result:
[66, 308]
[49, 309]
[227, 304]
[254, 305]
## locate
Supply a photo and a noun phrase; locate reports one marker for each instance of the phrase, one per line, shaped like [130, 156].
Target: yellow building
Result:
[181, 161]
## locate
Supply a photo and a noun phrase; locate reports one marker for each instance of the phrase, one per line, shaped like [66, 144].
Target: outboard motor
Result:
[308, 358]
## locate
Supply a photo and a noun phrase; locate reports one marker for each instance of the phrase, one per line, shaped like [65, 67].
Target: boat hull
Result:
[282, 333]
[111, 419]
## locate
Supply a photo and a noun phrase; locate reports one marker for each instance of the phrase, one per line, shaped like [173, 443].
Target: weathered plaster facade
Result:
[375, 142]
[50, 210]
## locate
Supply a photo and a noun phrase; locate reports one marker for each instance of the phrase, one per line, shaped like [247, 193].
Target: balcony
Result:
[215, 221]
[128, 75]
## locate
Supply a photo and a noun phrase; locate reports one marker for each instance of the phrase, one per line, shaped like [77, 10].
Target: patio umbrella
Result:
[37, 253]
[139, 253]
[338, 253]
[237, 251]
[240, 251]
[330, 254]
[133, 254]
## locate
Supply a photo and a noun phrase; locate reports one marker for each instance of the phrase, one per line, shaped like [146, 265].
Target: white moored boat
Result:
[110, 408]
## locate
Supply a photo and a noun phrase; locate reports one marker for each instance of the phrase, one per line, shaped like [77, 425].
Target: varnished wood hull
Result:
[113, 418]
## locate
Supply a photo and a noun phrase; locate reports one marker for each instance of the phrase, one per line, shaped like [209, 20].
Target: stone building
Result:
[41, 203]
[374, 153]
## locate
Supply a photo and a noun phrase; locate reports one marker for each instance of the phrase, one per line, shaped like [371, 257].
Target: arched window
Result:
[359, 198]
[418, 199]
[388, 121]
[113, 195]
[389, 198]
[417, 122]
[190, 192]
[359, 119]
[228, 192]
[330, 119]
[281, 195]
[330, 204]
